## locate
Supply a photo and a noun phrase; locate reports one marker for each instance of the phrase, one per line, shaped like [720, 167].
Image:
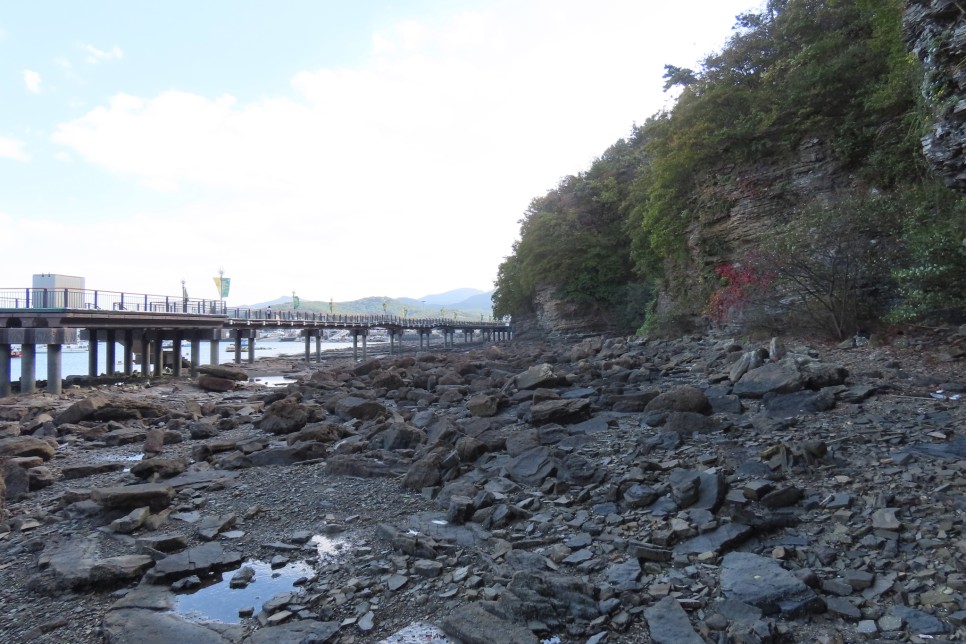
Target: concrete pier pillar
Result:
[110, 359]
[53, 368]
[5, 370]
[214, 348]
[92, 352]
[318, 347]
[365, 336]
[145, 354]
[176, 357]
[251, 348]
[308, 346]
[128, 352]
[195, 353]
[158, 355]
[238, 338]
[392, 342]
[28, 368]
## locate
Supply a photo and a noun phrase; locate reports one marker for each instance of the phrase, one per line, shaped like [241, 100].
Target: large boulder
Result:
[687, 398]
[541, 375]
[779, 377]
[81, 410]
[351, 407]
[284, 417]
[16, 446]
[221, 371]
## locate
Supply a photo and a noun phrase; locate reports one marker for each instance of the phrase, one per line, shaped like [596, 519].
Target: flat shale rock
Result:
[140, 626]
[221, 371]
[472, 624]
[669, 624]
[195, 561]
[762, 582]
[154, 495]
[299, 632]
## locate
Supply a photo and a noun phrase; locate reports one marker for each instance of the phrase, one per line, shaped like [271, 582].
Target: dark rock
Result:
[762, 582]
[284, 417]
[81, 410]
[352, 407]
[560, 411]
[162, 467]
[722, 538]
[303, 631]
[541, 375]
[799, 402]
[213, 383]
[83, 471]
[471, 624]
[532, 467]
[547, 597]
[919, 621]
[687, 423]
[687, 399]
[20, 446]
[669, 624]
[200, 560]
[127, 497]
[222, 371]
[483, 405]
[778, 377]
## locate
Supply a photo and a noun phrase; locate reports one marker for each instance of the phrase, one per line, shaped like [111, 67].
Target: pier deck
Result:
[142, 323]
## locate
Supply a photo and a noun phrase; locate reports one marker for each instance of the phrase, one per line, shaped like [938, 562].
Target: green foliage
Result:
[931, 277]
[836, 70]
[831, 265]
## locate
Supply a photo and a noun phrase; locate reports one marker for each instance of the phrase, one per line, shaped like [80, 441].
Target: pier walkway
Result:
[143, 323]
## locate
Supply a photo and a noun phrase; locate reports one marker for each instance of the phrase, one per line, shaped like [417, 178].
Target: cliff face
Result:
[553, 316]
[743, 203]
[935, 30]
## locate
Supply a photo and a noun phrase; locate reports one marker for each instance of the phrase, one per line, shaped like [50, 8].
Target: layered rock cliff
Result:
[935, 31]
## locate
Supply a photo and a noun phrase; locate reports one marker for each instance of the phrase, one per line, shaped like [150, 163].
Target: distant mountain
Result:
[481, 301]
[285, 300]
[465, 303]
[449, 297]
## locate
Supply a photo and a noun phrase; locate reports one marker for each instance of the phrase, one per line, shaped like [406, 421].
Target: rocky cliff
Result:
[935, 31]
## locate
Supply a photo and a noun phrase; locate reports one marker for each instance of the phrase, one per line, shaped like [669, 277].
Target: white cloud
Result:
[32, 80]
[413, 168]
[12, 149]
[95, 55]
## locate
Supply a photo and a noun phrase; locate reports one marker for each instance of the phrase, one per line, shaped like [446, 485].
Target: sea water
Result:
[74, 363]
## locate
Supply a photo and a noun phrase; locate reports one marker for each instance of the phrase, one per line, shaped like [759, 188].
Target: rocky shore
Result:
[608, 490]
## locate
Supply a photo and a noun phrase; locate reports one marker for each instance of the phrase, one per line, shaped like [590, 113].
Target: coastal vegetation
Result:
[785, 187]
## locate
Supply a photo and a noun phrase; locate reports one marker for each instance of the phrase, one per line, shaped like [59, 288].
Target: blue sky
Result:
[338, 149]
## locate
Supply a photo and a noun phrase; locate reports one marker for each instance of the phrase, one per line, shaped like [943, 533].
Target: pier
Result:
[143, 323]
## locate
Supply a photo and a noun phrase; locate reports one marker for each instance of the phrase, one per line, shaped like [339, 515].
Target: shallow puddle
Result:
[273, 381]
[217, 602]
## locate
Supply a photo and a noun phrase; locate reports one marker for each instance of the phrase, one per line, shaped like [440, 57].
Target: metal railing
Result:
[96, 300]
[62, 299]
[364, 319]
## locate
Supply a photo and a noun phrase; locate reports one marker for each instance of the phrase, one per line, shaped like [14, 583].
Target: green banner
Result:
[296, 302]
[222, 284]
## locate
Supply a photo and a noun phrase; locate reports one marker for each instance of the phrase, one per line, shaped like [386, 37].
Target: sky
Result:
[334, 149]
